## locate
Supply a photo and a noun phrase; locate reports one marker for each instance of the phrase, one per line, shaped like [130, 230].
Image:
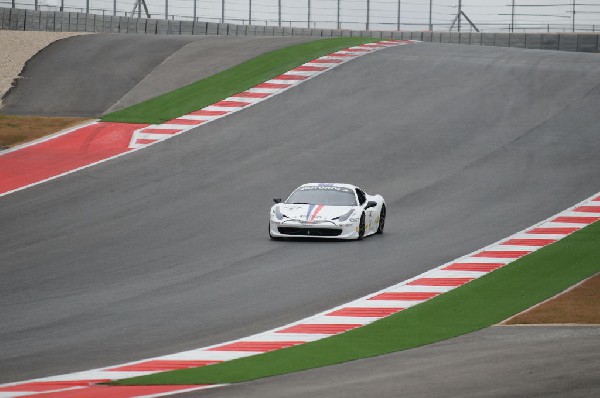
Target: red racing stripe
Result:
[144, 141]
[317, 210]
[528, 242]
[440, 281]
[325, 328]
[161, 365]
[337, 55]
[502, 254]
[308, 68]
[587, 209]
[203, 112]
[326, 61]
[231, 104]
[161, 131]
[273, 85]
[552, 231]
[256, 346]
[115, 391]
[185, 121]
[477, 267]
[289, 76]
[405, 296]
[576, 220]
[250, 94]
[41, 386]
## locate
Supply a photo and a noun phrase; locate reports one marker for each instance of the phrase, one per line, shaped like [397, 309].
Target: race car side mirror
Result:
[277, 200]
[370, 204]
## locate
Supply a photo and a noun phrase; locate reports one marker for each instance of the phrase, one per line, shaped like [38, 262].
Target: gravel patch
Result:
[17, 47]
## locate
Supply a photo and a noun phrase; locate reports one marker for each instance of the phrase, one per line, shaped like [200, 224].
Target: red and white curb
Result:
[334, 321]
[155, 133]
[98, 142]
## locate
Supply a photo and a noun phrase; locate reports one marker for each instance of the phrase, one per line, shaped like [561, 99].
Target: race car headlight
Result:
[345, 216]
[278, 214]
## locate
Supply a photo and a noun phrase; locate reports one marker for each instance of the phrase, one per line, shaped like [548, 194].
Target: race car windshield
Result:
[322, 197]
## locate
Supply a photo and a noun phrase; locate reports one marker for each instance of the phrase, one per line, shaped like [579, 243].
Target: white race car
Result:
[336, 211]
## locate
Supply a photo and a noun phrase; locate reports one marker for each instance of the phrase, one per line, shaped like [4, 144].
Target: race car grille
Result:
[310, 231]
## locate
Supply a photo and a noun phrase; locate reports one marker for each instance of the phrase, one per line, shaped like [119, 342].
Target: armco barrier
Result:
[56, 21]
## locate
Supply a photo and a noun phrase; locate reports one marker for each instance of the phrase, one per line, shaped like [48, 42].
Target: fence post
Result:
[399, 8]
[430, 9]
[573, 16]
[368, 13]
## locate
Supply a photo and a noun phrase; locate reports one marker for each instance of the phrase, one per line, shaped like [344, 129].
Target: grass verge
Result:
[476, 305]
[231, 81]
[16, 130]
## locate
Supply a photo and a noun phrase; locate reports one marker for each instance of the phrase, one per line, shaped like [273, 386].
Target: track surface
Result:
[167, 249]
[93, 74]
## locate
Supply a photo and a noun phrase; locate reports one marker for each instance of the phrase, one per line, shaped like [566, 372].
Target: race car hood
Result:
[315, 213]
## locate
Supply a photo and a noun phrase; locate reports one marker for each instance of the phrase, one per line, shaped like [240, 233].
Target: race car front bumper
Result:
[320, 230]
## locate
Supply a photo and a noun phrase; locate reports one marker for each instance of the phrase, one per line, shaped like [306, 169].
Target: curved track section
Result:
[167, 249]
[93, 74]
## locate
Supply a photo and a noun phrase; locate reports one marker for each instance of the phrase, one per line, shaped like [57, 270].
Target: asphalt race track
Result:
[93, 74]
[167, 249]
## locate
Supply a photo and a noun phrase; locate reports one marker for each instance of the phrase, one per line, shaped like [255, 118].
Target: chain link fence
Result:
[392, 15]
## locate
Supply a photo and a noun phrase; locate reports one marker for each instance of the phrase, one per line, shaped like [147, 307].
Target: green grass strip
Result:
[231, 81]
[476, 305]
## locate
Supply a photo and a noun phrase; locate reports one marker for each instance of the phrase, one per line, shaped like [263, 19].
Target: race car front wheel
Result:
[361, 227]
[381, 220]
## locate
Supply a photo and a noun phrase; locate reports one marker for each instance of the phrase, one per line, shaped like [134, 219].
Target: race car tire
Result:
[361, 228]
[381, 220]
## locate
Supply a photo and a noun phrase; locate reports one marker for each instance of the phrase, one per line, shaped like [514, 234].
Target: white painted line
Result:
[440, 273]
[194, 117]
[514, 248]
[204, 355]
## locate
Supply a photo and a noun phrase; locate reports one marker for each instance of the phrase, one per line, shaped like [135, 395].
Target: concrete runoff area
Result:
[167, 249]
[511, 361]
[90, 75]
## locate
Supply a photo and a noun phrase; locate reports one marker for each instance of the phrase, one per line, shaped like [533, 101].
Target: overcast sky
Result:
[414, 14]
